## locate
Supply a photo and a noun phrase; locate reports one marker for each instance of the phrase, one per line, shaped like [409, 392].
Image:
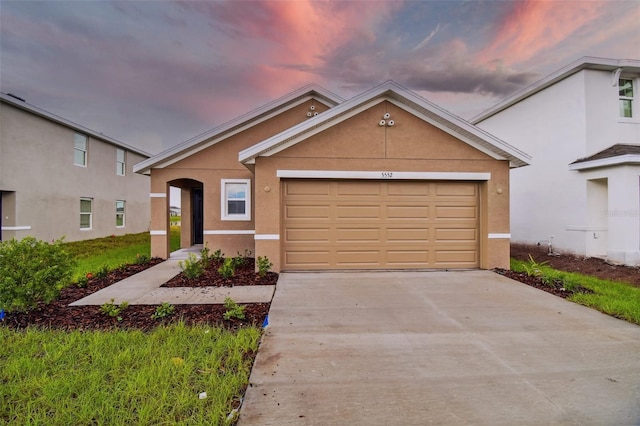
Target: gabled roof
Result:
[586, 62]
[614, 155]
[403, 98]
[23, 105]
[237, 125]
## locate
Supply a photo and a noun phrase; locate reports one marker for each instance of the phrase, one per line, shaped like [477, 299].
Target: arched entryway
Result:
[192, 211]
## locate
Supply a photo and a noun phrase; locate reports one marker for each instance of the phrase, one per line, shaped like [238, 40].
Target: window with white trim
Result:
[120, 213]
[120, 161]
[625, 94]
[235, 199]
[80, 150]
[86, 218]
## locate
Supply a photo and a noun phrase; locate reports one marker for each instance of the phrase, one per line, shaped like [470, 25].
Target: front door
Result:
[198, 216]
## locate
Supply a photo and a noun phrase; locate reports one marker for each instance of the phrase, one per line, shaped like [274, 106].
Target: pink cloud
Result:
[537, 25]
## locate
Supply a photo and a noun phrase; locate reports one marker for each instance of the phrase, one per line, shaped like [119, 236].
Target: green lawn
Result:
[615, 298]
[124, 377]
[114, 251]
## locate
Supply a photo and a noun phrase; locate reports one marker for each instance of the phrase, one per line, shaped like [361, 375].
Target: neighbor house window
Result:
[85, 213]
[236, 199]
[120, 213]
[120, 163]
[80, 149]
[625, 93]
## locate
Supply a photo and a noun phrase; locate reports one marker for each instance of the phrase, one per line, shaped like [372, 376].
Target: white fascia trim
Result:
[159, 232]
[229, 232]
[267, 236]
[499, 236]
[382, 174]
[15, 228]
[158, 195]
[604, 162]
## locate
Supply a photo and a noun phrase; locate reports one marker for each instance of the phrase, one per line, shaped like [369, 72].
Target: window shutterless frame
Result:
[120, 211]
[625, 96]
[80, 143]
[86, 216]
[235, 199]
[120, 161]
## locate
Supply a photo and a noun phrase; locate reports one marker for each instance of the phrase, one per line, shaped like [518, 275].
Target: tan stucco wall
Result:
[410, 145]
[37, 162]
[358, 143]
[209, 166]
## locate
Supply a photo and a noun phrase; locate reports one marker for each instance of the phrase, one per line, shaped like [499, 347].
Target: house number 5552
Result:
[386, 175]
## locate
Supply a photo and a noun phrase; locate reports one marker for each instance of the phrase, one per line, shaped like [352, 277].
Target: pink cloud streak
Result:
[538, 25]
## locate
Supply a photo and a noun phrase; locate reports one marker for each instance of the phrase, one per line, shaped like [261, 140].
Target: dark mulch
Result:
[555, 287]
[244, 275]
[58, 315]
[583, 265]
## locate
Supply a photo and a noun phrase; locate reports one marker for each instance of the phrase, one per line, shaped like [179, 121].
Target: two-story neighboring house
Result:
[581, 124]
[58, 178]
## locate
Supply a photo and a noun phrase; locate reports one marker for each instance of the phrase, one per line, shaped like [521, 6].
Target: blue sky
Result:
[155, 73]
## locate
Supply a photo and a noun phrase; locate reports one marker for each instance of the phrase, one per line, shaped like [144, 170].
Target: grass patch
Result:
[113, 251]
[124, 377]
[615, 298]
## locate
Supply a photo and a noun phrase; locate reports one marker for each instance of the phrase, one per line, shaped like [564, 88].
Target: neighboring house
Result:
[58, 178]
[174, 211]
[581, 125]
[383, 180]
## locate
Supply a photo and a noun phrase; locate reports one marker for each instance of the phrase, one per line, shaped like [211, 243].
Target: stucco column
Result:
[159, 219]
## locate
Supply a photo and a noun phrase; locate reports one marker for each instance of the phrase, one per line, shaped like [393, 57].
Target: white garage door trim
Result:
[391, 175]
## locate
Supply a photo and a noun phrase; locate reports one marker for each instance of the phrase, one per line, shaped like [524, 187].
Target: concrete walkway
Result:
[449, 348]
[144, 288]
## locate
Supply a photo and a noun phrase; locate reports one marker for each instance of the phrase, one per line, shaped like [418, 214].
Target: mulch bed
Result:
[244, 275]
[564, 262]
[58, 315]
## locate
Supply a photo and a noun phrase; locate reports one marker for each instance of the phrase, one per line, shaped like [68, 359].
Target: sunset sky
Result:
[155, 73]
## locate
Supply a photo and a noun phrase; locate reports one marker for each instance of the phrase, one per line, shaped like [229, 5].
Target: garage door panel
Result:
[380, 224]
[307, 212]
[401, 235]
[371, 235]
[456, 212]
[359, 189]
[307, 235]
[456, 234]
[313, 188]
[358, 212]
[308, 258]
[461, 189]
[358, 257]
[407, 212]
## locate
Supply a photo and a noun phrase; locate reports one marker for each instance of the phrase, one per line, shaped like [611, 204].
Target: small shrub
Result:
[164, 310]
[205, 256]
[141, 259]
[533, 268]
[113, 310]
[228, 269]
[192, 267]
[233, 310]
[102, 272]
[241, 259]
[31, 272]
[217, 255]
[82, 282]
[264, 265]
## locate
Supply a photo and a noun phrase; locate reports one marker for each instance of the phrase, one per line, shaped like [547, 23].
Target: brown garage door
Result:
[342, 224]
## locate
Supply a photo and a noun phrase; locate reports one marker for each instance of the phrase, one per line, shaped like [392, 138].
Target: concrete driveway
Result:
[453, 348]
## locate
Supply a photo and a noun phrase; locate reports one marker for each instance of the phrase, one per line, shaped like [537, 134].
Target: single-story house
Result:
[384, 180]
[581, 124]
